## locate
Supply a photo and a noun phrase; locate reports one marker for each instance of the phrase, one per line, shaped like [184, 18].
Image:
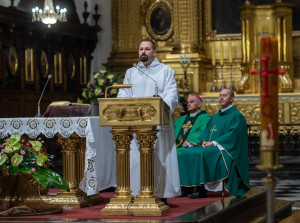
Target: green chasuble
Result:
[199, 165]
[188, 128]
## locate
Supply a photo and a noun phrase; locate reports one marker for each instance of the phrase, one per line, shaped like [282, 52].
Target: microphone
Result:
[39, 108]
[156, 86]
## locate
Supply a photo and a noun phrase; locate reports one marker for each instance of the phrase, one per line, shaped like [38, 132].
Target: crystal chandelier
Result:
[49, 16]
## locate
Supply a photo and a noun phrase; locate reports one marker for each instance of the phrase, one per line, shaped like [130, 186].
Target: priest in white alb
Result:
[146, 77]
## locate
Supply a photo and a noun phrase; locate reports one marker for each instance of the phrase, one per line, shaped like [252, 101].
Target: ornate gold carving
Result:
[131, 112]
[186, 26]
[146, 140]
[146, 203]
[126, 25]
[73, 151]
[254, 26]
[295, 113]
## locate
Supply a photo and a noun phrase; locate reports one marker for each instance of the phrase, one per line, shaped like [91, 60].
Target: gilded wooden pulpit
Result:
[141, 116]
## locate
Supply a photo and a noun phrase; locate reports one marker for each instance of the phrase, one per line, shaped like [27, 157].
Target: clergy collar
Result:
[194, 114]
[222, 110]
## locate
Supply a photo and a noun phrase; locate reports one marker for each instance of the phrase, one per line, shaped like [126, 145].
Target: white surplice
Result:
[166, 175]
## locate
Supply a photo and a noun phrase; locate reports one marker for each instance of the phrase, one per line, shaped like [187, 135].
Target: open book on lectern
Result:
[67, 109]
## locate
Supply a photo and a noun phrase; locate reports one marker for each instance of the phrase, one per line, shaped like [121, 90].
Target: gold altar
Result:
[192, 32]
[140, 116]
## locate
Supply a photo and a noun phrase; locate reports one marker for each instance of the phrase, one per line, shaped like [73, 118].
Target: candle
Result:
[269, 102]
[230, 51]
[213, 57]
[181, 59]
[255, 46]
[221, 54]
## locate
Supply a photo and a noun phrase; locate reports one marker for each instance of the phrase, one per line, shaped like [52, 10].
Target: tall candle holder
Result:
[269, 160]
[214, 88]
[185, 62]
[222, 79]
[232, 87]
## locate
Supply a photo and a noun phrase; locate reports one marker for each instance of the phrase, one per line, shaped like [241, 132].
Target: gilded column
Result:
[122, 140]
[126, 25]
[69, 149]
[146, 140]
[186, 29]
[80, 159]
[147, 204]
[119, 204]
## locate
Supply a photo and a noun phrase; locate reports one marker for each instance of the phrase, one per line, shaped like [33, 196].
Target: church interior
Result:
[210, 44]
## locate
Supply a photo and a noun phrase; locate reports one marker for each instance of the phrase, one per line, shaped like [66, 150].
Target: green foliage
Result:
[25, 156]
[96, 87]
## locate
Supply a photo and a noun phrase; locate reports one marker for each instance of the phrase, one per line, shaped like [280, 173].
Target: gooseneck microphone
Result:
[39, 108]
[156, 86]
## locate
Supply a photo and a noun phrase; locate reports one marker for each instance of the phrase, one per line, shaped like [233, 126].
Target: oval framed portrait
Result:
[13, 61]
[44, 64]
[159, 20]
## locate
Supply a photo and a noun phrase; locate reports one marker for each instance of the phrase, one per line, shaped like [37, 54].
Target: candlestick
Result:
[222, 79]
[269, 117]
[221, 53]
[255, 46]
[213, 56]
[214, 88]
[230, 51]
[232, 87]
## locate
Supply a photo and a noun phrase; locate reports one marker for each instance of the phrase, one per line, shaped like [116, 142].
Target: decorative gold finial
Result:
[247, 2]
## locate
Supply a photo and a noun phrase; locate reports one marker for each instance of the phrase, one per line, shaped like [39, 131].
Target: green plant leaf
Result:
[3, 158]
[110, 76]
[13, 170]
[46, 176]
[84, 94]
[36, 145]
[16, 159]
[96, 75]
[114, 91]
[41, 158]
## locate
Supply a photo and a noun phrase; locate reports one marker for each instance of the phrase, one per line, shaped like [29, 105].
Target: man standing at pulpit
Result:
[148, 78]
[220, 162]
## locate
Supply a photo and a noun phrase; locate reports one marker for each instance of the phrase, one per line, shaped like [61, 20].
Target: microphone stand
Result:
[39, 108]
[156, 86]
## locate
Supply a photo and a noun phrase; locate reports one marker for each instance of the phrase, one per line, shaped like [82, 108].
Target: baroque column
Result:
[186, 26]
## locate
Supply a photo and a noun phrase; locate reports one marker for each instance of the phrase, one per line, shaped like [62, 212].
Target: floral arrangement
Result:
[96, 87]
[26, 156]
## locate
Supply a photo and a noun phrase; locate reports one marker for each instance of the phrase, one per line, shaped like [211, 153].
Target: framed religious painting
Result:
[29, 68]
[58, 68]
[13, 61]
[71, 66]
[159, 20]
[44, 64]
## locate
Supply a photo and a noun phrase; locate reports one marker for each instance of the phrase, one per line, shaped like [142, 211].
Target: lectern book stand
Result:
[141, 116]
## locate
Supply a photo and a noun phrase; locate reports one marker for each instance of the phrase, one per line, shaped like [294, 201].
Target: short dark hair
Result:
[152, 43]
[231, 92]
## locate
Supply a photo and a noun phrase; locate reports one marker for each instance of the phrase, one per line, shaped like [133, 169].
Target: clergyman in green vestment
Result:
[188, 128]
[220, 160]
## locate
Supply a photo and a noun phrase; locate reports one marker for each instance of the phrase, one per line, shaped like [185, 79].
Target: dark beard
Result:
[144, 58]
